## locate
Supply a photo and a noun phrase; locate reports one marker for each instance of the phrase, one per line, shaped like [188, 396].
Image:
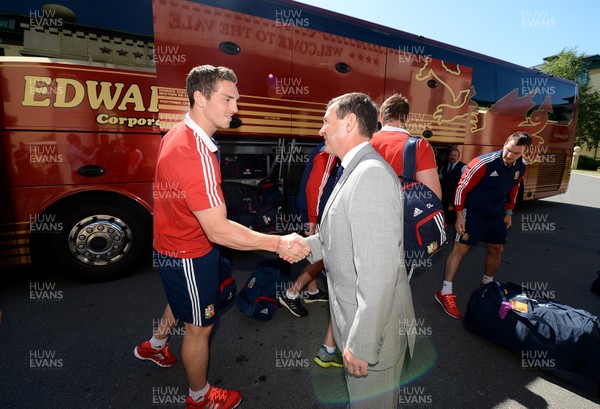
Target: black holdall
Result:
[560, 339]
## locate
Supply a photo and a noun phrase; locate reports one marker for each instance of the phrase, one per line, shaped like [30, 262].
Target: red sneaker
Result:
[448, 304]
[161, 357]
[216, 398]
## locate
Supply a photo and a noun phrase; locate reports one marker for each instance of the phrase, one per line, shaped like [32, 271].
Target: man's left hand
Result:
[354, 365]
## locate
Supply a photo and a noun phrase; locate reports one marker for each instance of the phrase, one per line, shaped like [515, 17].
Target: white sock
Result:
[487, 279]
[447, 287]
[158, 343]
[291, 296]
[330, 350]
[313, 293]
[199, 395]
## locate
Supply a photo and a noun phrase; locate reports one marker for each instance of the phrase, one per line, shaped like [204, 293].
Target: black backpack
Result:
[269, 201]
[424, 224]
[241, 203]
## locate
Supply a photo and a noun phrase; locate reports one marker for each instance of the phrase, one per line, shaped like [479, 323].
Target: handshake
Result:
[292, 248]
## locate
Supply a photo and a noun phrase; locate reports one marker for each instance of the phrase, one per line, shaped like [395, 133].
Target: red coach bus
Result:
[79, 140]
[78, 147]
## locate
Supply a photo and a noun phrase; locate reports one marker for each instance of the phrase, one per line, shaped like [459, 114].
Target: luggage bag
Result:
[560, 339]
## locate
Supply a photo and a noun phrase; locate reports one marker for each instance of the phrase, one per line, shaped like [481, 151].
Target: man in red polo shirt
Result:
[389, 143]
[189, 216]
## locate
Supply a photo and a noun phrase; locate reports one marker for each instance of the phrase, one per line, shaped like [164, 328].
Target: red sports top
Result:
[188, 178]
[323, 164]
[389, 143]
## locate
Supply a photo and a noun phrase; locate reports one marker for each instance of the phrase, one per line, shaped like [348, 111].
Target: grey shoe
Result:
[326, 360]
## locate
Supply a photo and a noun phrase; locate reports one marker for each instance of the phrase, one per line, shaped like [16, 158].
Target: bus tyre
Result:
[102, 238]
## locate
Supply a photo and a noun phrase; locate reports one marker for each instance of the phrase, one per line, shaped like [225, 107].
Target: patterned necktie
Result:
[339, 173]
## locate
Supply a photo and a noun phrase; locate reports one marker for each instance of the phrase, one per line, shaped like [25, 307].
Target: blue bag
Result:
[258, 297]
[424, 224]
[560, 339]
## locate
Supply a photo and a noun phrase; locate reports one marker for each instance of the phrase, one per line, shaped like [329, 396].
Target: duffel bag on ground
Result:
[560, 339]
[258, 297]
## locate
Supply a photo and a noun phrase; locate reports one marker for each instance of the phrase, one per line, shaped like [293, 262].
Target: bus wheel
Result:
[102, 238]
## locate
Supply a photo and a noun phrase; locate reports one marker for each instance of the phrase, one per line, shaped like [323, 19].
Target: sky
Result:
[523, 32]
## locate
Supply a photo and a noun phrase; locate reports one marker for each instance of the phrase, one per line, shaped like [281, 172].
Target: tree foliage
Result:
[571, 65]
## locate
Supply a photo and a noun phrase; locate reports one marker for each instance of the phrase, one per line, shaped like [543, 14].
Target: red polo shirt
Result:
[188, 178]
[389, 143]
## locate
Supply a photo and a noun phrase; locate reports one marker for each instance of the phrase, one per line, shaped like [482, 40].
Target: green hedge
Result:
[586, 163]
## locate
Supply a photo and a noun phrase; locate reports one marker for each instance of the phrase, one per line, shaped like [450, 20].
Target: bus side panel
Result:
[187, 35]
[286, 73]
[46, 95]
[438, 91]
[69, 128]
[544, 108]
[57, 158]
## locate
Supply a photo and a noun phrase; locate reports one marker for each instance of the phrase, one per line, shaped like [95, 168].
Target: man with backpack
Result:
[413, 160]
[485, 198]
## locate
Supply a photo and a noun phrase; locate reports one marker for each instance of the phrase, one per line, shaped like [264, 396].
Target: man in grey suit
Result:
[360, 240]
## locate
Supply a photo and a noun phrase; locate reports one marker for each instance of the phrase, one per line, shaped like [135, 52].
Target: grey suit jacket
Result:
[360, 240]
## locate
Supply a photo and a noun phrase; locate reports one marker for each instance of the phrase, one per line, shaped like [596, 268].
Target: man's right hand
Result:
[293, 248]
